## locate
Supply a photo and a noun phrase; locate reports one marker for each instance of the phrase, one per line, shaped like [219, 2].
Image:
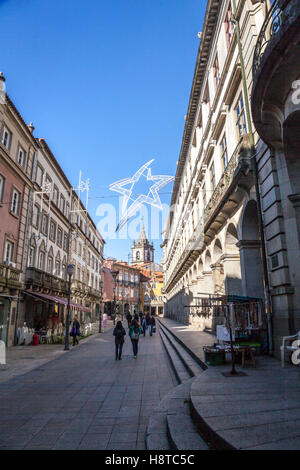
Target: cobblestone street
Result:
[85, 399]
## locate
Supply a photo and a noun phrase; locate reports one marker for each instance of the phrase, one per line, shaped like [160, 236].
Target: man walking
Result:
[129, 319]
[152, 325]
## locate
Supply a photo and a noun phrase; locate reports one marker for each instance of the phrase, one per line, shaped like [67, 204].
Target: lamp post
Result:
[70, 271]
[100, 310]
[114, 276]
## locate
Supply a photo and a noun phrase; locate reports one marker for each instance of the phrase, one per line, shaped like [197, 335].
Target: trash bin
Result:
[35, 339]
[214, 356]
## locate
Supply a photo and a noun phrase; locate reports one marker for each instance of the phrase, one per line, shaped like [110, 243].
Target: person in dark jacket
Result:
[144, 325]
[141, 317]
[75, 331]
[129, 319]
[136, 317]
[134, 333]
[119, 334]
[152, 325]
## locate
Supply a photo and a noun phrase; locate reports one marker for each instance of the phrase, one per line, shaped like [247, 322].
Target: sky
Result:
[106, 83]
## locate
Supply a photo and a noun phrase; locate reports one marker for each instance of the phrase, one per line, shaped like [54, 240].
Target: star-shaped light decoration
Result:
[118, 186]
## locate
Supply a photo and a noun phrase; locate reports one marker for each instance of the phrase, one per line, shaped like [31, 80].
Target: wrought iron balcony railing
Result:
[279, 15]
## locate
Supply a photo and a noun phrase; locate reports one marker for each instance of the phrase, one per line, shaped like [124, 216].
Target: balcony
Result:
[9, 277]
[37, 279]
[275, 67]
[222, 202]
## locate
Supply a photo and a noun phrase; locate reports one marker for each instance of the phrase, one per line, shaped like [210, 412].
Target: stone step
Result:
[157, 430]
[181, 372]
[171, 426]
[193, 367]
[214, 440]
[190, 352]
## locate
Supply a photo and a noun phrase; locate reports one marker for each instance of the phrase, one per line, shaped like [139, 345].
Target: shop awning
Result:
[58, 300]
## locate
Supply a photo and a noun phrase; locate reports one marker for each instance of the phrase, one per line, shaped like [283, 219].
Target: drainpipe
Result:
[256, 180]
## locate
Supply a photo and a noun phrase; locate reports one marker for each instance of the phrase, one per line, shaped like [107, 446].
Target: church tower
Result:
[142, 250]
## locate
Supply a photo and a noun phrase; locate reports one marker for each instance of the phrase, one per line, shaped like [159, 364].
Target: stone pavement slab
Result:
[85, 399]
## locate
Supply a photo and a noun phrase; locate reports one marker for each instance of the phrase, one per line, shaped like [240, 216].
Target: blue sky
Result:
[106, 83]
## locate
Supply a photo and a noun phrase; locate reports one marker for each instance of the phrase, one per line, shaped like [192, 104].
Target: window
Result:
[62, 204]
[59, 236]
[57, 267]
[21, 157]
[212, 176]
[120, 276]
[44, 227]
[2, 181]
[39, 174]
[224, 152]
[229, 26]
[6, 138]
[79, 249]
[31, 256]
[55, 195]
[138, 255]
[216, 71]
[52, 231]
[35, 216]
[8, 253]
[66, 242]
[50, 265]
[15, 201]
[241, 117]
[41, 260]
[64, 271]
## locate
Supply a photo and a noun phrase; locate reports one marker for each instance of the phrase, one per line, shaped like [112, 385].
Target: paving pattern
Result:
[85, 399]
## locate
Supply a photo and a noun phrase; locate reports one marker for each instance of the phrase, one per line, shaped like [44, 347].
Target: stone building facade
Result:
[18, 151]
[276, 114]
[211, 240]
[142, 250]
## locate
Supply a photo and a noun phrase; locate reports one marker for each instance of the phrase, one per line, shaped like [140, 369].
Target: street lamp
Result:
[70, 271]
[100, 310]
[114, 276]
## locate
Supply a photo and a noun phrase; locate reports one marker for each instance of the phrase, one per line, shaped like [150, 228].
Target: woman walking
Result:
[144, 325]
[119, 334]
[134, 333]
[152, 325]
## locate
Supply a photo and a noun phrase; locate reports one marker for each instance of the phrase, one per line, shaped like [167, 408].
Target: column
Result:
[232, 274]
[251, 268]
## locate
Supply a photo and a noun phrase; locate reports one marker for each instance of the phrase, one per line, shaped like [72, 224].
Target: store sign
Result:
[2, 353]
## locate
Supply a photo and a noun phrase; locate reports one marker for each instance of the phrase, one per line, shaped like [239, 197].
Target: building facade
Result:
[276, 113]
[212, 243]
[142, 250]
[44, 228]
[18, 152]
[122, 294]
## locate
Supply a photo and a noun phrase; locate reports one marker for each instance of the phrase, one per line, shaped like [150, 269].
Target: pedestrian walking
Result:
[141, 317]
[144, 325]
[134, 333]
[152, 327]
[148, 319]
[129, 319]
[104, 320]
[75, 331]
[136, 317]
[119, 334]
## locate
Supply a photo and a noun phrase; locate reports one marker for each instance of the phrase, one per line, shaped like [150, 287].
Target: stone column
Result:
[232, 274]
[208, 282]
[218, 278]
[251, 268]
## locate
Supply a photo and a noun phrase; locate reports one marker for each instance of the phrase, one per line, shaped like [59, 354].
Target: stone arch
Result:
[231, 262]
[207, 261]
[250, 255]
[217, 251]
[291, 141]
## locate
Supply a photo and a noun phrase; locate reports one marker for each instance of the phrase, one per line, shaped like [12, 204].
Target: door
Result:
[4, 319]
